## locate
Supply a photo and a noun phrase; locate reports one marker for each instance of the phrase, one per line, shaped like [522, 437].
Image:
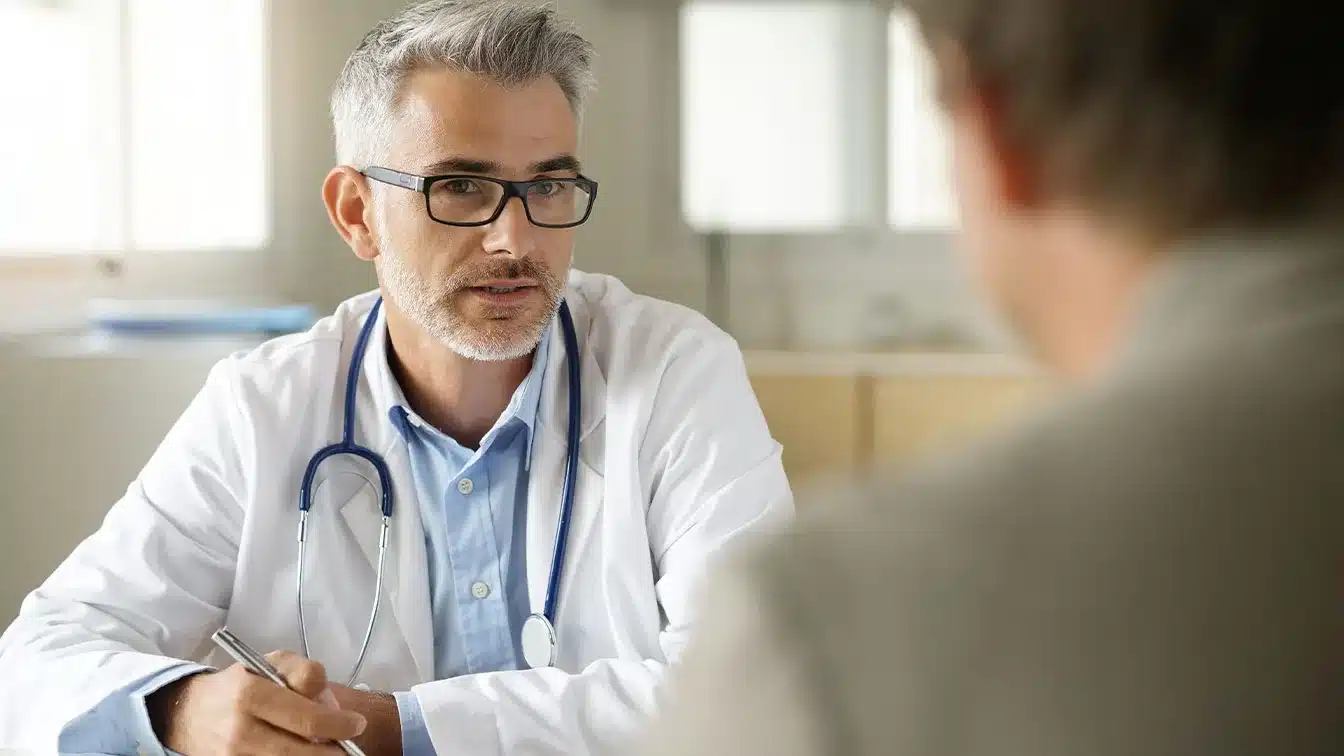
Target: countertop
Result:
[911, 364]
[93, 344]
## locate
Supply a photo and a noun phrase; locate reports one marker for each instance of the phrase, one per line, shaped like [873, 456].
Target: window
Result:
[136, 125]
[784, 126]
[919, 189]
[761, 116]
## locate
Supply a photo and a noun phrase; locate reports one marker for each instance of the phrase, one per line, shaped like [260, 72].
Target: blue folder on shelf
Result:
[186, 319]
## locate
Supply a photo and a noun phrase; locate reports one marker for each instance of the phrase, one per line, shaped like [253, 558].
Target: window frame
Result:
[166, 273]
[869, 166]
[789, 277]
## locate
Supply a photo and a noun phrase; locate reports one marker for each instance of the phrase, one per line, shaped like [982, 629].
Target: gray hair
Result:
[508, 42]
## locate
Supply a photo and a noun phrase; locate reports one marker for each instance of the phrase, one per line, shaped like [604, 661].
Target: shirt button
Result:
[480, 590]
[464, 486]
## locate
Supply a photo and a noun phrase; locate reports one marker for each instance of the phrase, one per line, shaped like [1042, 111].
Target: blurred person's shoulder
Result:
[1192, 436]
[1084, 556]
[1226, 441]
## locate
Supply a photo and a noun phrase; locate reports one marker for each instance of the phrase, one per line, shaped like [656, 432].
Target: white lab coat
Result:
[676, 465]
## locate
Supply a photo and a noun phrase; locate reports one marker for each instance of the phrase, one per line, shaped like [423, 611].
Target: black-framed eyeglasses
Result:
[471, 200]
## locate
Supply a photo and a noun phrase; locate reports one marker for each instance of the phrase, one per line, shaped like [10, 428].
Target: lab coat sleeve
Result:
[714, 479]
[141, 594]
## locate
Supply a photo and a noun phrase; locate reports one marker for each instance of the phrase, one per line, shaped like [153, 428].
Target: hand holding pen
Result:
[244, 710]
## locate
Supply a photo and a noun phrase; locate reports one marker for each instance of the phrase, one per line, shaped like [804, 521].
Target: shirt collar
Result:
[527, 397]
[523, 405]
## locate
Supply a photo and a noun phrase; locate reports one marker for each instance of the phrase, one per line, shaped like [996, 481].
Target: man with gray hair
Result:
[526, 468]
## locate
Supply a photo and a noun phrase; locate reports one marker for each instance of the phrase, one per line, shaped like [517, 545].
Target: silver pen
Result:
[257, 664]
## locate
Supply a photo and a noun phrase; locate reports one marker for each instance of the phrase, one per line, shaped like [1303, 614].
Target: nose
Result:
[511, 233]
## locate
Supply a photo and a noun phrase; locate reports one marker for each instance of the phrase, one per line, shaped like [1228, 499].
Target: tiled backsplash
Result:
[879, 292]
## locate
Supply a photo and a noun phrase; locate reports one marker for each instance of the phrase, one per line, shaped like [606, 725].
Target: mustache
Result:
[495, 270]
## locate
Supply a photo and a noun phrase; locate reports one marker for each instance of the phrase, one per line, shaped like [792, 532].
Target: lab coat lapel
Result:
[405, 575]
[365, 522]
[405, 582]
[546, 480]
[410, 593]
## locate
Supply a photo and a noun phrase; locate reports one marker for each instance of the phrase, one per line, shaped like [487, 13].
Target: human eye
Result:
[459, 187]
[550, 188]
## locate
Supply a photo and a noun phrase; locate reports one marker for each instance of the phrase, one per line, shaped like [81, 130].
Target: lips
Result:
[505, 293]
[505, 286]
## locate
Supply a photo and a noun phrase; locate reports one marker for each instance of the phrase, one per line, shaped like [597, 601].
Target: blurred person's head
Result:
[480, 90]
[1091, 137]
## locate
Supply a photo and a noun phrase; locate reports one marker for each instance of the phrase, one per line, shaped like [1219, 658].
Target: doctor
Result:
[480, 388]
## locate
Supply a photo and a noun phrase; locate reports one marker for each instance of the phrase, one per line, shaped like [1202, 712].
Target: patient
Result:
[1153, 195]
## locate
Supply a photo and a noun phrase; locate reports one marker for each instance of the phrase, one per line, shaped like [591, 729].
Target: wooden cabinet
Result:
[816, 418]
[836, 413]
[924, 414]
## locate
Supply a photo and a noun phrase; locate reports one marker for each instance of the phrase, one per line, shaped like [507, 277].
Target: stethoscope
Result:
[538, 631]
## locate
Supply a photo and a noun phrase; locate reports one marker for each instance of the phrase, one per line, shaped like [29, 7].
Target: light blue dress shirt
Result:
[474, 508]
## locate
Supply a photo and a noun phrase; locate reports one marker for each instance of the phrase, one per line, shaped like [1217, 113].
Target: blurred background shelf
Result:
[837, 413]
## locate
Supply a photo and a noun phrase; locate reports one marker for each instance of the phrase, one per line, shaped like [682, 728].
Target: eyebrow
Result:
[557, 163]
[490, 167]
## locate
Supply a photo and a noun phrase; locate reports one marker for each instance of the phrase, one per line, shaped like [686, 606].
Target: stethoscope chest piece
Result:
[539, 645]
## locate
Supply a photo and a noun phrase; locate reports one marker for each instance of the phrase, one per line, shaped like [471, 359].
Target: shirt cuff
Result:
[141, 727]
[120, 722]
[415, 739]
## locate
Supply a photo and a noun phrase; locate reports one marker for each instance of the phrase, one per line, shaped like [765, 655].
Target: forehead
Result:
[444, 113]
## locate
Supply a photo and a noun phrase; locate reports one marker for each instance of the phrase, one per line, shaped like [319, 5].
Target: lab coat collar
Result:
[523, 405]
[551, 390]
[546, 484]
[377, 374]
[553, 412]
[526, 401]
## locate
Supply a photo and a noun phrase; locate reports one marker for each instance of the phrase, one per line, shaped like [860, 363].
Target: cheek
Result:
[432, 249]
[556, 249]
[445, 248]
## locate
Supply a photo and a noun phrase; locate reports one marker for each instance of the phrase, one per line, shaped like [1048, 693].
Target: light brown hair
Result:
[1178, 115]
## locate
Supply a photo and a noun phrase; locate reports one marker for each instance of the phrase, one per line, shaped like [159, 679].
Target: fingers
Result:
[305, 676]
[263, 738]
[293, 713]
